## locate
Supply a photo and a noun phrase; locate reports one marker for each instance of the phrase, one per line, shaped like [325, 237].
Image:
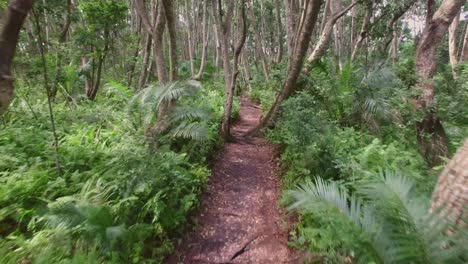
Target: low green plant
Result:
[382, 222]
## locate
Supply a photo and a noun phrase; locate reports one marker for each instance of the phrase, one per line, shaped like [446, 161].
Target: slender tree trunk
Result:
[223, 35]
[146, 61]
[363, 34]
[131, 72]
[165, 109]
[190, 38]
[432, 140]
[354, 14]
[218, 51]
[205, 41]
[62, 39]
[464, 49]
[245, 64]
[158, 44]
[336, 6]
[321, 46]
[91, 94]
[15, 16]
[279, 32]
[326, 14]
[453, 52]
[395, 44]
[258, 41]
[172, 29]
[297, 62]
[226, 124]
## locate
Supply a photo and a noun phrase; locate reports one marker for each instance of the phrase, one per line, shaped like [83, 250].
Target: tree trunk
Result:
[91, 94]
[131, 72]
[453, 52]
[205, 41]
[451, 192]
[432, 140]
[258, 41]
[335, 7]
[246, 66]
[223, 30]
[158, 44]
[279, 54]
[321, 46]
[430, 10]
[226, 124]
[354, 14]
[172, 29]
[395, 45]
[364, 28]
[190, 39]
[297, 61]
[218, 52]
[146, 61]
[464, 52]
[291, 11]
[16, 14]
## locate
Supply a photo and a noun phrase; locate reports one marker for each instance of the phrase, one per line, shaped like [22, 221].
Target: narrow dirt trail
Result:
[239, 220]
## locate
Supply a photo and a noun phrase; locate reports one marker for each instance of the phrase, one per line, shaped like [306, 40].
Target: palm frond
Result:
[310, 196]
[417, 234]
[189, 113]
[194, 131]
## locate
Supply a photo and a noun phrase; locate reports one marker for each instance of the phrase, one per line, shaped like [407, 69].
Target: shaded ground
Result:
[239, 220]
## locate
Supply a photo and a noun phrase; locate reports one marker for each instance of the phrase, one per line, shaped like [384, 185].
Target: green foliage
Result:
[349, 128]
[116, 201]
[386, 222]
[104, 14]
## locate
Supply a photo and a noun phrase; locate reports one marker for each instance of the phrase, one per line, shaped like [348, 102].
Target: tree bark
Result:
[171, 25]
[226, 124]
[453, 52]
[464, 52]
[190, 39]
[364, 29]
[146, 62]
[451, 192]
[432, 140]
[16, 14]
[91, 93]
[291, 11]
[205, 41]
[258, 41]
[321, 46]
[335, 7]
[223, 30]
[279, 31]
[297, 61]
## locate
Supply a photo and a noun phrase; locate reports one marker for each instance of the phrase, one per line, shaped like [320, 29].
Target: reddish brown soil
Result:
[240, 220]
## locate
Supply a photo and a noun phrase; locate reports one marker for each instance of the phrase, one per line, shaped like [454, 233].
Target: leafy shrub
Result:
[116, 201]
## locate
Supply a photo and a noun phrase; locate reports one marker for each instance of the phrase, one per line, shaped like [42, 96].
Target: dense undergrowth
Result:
[116, 199]
[350, 134]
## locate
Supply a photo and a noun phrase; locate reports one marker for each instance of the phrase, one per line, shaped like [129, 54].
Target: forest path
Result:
[239, 220]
